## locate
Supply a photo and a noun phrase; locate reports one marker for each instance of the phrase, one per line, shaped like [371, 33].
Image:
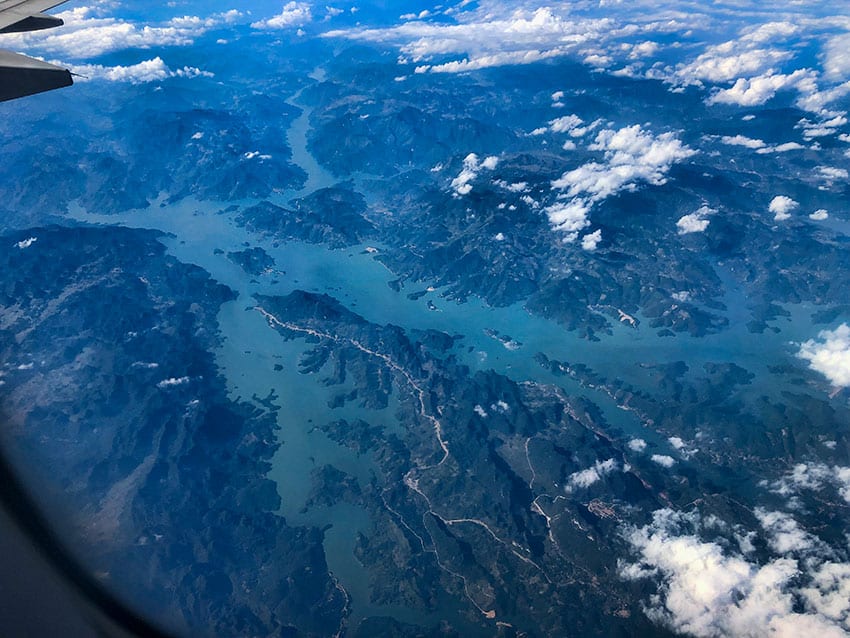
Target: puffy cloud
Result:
[784, 533]
[631, 156]
[682, 447]
[86, 36]
[515, 187]
[332, 12]
[781, 206]
[472, 166]
[490, 38]
[742, 140]
[293, 14]
[152, 70]
[637, 445]
[781, 148]
[819, 215]
[643, 50]
[749, 55]
[727, 61]
[569, 217]
[814, 477]
[750, 63]
[173, 381]
[831, 173]
[590, 241]
[694, 222]
[814, 99]
[757, 90]
[830, 354]
[836, 52]
[829, 591]
[568, 124]
[490, 162]
[770, 32]
[706, 590]
[586, 478]
[827, 125]
[26, 243]
[663, 460]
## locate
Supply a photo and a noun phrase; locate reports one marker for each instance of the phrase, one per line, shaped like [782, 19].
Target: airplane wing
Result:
[20, 75]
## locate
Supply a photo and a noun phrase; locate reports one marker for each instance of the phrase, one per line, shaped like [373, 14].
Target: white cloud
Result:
[836, 64]
[727, 61]
[637, 445]
[644, 49]
[332, 12]
[86, 36]
[569, 217]
[707, 591]
[567, 124]
[529, 201]
[831, 173]
[751, 62]
[152, 70]
[26, 243]
[256, 155]
[784, 534]
[472, 166]
[819, 215]
[781, 206]
[758, 89]
[814, 99]
[830, 355]
[812, 476]
[663, 460]
[490, 162]
[682, 447]
[488, 39]
[145, 365]
[781, 148]
[590, 241]
[631, 156]
[515, 187]
[173, 381]
[695, 222]
[770, 32]
[692, 223]
[827, 125]
[586, 478]
[293, 14]
[742, 140]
